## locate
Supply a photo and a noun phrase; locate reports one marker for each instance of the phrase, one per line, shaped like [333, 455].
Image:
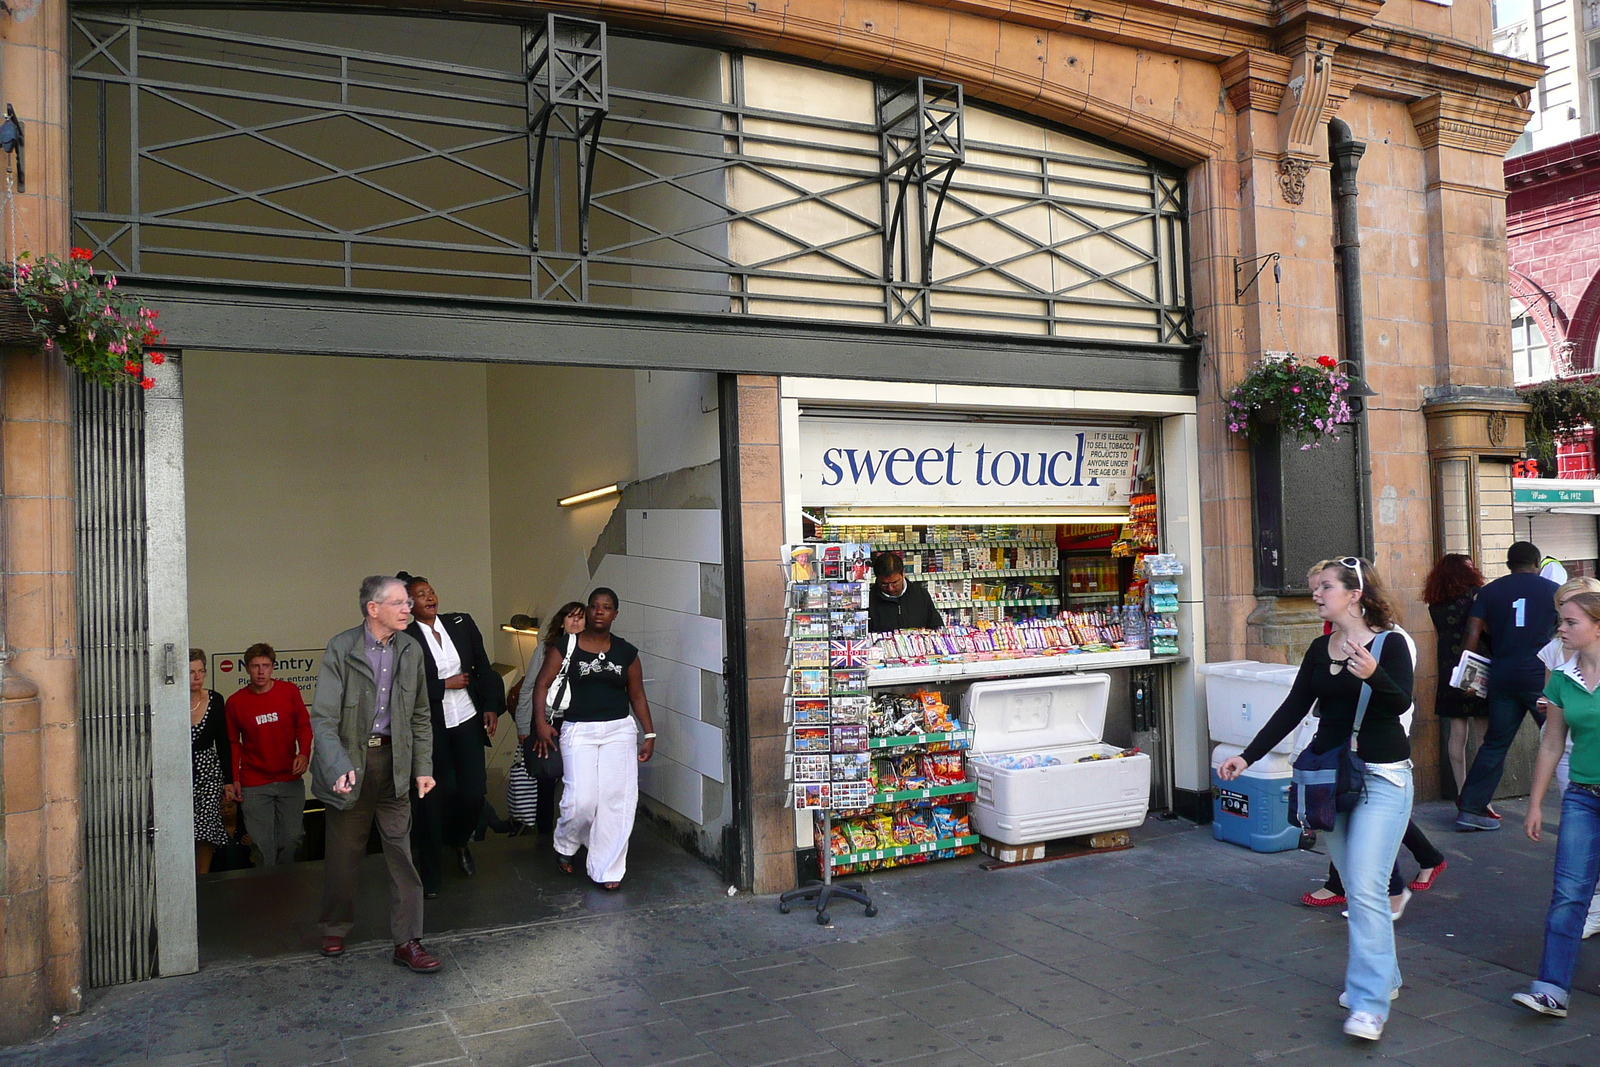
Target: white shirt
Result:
[457, 704]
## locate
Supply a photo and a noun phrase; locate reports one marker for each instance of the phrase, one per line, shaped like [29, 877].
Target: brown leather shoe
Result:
[333, 946]
[413, 955]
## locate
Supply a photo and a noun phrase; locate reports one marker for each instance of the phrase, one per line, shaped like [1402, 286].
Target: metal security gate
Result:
[137, 818]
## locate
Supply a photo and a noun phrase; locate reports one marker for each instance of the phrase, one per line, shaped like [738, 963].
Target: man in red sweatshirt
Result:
[270, 733]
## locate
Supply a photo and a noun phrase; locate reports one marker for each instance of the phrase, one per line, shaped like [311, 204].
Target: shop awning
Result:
[1556, 496]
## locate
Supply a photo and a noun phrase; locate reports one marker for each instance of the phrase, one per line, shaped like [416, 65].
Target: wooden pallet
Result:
[1062, 848]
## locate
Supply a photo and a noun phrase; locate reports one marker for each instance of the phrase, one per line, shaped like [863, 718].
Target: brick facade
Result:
[1241, 97]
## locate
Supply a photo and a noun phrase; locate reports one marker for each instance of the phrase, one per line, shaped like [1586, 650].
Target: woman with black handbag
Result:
[531, 788]
[1362, 696]
[599, 744]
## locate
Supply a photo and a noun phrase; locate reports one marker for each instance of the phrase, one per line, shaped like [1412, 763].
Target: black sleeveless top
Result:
[600, 682]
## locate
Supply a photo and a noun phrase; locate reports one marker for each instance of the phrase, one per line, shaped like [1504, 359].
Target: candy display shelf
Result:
[894, 796]
[873, 855]
[878, 677]
[918, 739]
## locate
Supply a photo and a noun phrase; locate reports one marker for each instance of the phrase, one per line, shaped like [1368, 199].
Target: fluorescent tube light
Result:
[593, 494]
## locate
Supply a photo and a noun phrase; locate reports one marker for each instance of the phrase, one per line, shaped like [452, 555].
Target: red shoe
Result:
[1488, 809]
[333, 946]
[1312, 901]
[1433, 876]
[413, 955]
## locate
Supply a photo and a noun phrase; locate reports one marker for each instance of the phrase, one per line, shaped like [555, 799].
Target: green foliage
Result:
[1558, 407]
[107, 336]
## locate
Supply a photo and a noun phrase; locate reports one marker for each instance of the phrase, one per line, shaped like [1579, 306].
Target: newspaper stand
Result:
[825, 890]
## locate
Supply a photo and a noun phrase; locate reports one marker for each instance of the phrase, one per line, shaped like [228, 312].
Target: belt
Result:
[378, 740]
[1592, 790]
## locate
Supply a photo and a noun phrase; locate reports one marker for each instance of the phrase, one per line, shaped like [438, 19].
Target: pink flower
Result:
[1294, 389]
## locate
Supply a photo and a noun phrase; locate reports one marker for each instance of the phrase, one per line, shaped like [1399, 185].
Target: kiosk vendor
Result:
[896, 604]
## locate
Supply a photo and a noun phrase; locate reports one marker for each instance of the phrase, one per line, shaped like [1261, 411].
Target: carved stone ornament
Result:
[1497, 429]
[1292, 179]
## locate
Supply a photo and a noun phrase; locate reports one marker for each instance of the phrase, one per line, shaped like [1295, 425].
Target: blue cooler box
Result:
[1253, 811]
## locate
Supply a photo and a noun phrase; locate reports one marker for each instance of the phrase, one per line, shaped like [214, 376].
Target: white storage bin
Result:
[1241, 696]
[1057, 715]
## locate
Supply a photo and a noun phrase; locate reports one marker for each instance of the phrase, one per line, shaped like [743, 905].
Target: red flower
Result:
[1327, 361]
[158, 358]
[131, 367]
[148, 383]
[82, 254]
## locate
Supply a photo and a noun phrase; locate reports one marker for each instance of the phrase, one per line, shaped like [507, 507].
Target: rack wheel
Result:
[871, 911]
[783, 909]
[823, 919]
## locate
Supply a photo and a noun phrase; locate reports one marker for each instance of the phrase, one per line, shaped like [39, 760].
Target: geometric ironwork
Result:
[554, 161]
[568, 84]
[923, 133]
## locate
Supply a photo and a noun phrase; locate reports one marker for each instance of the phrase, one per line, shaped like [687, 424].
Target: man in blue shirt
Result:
[1518, 612]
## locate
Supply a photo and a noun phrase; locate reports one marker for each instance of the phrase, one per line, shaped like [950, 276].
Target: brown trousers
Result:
[347, 833]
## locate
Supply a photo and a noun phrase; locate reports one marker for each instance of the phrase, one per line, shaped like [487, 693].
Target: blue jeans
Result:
[1577, 871]
[1363, 845]
[1506, 709]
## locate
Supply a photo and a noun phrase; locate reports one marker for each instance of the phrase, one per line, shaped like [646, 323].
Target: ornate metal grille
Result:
[555, 162]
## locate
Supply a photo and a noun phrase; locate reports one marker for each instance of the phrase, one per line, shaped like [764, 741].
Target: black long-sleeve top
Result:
[1382, 739]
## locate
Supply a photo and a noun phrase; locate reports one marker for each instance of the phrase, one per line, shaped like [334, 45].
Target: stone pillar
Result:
[41, 866]
[761, 519]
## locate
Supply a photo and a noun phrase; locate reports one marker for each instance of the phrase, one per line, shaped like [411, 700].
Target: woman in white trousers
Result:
[600, 745]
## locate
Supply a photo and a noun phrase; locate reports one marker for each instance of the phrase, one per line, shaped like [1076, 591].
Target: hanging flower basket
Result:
[1305, 401]
[66, 306]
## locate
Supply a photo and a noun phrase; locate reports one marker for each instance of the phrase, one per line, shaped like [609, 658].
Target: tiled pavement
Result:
[1179, 951]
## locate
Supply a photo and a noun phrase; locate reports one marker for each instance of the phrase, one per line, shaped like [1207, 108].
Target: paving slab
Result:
[1181, 951]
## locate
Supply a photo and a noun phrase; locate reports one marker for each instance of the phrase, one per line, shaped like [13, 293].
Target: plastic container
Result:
[1053, 716]
[1241, 696]
[1253, 809]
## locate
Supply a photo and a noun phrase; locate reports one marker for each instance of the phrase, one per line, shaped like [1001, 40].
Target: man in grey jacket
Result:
[372, 737]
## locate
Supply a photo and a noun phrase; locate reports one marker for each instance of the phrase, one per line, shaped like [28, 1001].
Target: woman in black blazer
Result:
[467, 697]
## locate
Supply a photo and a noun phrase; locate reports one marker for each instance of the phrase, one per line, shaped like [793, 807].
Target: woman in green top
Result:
[1574, 704]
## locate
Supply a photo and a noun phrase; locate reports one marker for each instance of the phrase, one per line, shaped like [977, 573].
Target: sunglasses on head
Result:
[1355, 564]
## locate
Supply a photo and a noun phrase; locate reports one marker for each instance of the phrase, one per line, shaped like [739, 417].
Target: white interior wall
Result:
[305, 474]
[556, 431]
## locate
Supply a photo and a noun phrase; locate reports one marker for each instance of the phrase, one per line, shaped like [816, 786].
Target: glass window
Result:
[1530, 353]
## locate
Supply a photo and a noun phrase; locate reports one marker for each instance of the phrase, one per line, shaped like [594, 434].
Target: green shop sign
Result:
[1553, 496]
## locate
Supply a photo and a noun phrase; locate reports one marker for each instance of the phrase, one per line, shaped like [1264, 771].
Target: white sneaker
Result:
[1364, 1024]
[1591, 926]
[1344, 998]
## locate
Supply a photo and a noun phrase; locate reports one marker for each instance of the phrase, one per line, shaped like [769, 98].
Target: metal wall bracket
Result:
[922, 131]
[1240, 265]
[569, 95]
[11, 142]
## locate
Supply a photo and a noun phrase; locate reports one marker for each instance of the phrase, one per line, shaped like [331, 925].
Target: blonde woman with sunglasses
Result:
[1363, 650]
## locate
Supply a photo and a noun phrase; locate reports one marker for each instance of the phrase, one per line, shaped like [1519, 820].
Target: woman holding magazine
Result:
[1360, 654]
[1449, 591]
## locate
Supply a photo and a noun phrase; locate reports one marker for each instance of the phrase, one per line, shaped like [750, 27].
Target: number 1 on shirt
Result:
[1520, 606]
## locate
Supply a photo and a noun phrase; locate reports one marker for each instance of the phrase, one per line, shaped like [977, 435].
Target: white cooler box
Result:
[1057, 715]
[1241, 696]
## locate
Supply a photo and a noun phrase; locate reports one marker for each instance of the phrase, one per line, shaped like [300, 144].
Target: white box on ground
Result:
[1063, 716]
[1241, 696]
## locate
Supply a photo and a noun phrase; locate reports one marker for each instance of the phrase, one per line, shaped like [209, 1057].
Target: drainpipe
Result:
[1345, 153]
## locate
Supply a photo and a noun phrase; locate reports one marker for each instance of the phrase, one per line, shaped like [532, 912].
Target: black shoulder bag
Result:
[558, 696]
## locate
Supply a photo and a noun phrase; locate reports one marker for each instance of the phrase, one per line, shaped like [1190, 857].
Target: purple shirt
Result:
[380, 657]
